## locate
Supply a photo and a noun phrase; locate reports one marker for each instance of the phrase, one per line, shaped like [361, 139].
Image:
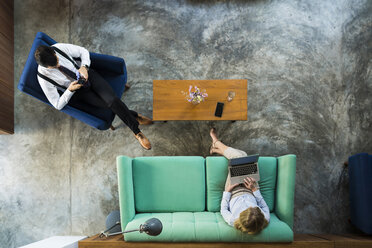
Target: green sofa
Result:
[185, 194]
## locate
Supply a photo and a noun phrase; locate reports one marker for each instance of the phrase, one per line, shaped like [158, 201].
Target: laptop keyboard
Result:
[243, 170]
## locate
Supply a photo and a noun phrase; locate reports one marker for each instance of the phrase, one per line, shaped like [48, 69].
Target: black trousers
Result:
[101, 95]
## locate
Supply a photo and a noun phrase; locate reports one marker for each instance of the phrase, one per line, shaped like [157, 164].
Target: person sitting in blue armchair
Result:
[242, 206]
[59, 72]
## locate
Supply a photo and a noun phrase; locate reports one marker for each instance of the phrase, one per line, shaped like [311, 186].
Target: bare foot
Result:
[213, 135]
[213, 150]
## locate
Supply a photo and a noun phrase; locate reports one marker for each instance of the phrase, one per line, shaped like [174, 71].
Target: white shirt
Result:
[51, 91]
[230, 210]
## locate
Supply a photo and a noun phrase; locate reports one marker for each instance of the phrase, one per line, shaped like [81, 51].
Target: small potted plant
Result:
[196, 95]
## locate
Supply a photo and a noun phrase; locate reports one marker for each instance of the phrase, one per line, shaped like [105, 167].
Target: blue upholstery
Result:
[360, 185]
[111, 68]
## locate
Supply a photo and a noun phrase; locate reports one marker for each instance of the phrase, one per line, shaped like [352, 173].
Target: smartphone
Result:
[219, 109]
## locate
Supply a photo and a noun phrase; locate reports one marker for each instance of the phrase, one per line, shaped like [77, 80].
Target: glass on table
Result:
[230, 96]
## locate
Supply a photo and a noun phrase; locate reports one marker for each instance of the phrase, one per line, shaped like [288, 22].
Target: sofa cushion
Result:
[169, 184]
[205, 227]
[216, 170]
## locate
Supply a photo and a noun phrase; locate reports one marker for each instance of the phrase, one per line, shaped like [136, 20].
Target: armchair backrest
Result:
[28, 82]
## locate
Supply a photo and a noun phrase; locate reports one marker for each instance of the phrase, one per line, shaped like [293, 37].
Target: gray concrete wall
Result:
[308, 64]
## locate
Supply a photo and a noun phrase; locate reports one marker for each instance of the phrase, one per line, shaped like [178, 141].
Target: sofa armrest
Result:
[285, 186]
[126, 194]
[108, 63]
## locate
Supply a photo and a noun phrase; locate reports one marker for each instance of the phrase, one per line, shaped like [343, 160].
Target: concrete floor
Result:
[309, 69]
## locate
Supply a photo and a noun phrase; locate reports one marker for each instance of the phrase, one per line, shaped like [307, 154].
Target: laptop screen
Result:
[244, 160]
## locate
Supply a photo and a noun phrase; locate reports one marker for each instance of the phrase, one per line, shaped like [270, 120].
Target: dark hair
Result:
[45, 56]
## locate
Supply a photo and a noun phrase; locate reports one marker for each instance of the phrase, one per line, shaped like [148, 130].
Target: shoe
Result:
[143, 120]
[145, 143]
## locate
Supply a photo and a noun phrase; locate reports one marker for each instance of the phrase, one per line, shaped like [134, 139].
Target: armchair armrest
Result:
[285, 186]
[126, 194]
[108, 63]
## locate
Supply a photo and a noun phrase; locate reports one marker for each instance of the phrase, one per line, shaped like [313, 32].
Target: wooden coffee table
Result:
[170, 104]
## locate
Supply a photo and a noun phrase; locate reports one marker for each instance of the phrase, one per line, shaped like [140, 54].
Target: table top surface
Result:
[169, 101]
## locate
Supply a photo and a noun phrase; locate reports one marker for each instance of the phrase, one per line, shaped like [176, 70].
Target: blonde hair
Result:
[251, 221]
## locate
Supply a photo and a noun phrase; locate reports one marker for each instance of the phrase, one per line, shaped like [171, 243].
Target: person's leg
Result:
[227, 183]
[142, 120]
[121, 110]
[83, 99]
[134, 113]
[222, 149]
[87, 96]
[217, 146]
[231, 153]
[103, 89]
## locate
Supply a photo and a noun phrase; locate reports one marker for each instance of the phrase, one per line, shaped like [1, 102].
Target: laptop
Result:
[243, 167]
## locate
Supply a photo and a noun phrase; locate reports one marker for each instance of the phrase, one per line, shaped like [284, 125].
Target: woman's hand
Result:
[231, 187]
[84, 72]
[74, 86]
[250, 184]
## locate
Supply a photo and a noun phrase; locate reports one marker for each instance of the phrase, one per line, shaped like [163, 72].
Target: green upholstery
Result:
[126, 195]
[205, 227]
[178, 190]
[268, 170]
[169, 184]
[284, 204]
[216, 170]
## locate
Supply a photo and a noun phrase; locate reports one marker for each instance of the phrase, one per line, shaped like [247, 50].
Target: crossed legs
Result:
[101, 95]
[217, 146]
[224, 150]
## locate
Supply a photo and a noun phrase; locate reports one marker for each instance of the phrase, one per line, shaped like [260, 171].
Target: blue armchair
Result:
[360, 186]
[112, 68]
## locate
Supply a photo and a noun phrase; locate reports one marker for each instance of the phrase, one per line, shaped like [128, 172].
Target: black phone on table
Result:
[219, 109]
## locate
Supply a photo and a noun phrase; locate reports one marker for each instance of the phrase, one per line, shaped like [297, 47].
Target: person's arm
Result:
[251, 184]
[51, 92]
[75, 52]
[262, 204]
[225, 212]
[53, 96]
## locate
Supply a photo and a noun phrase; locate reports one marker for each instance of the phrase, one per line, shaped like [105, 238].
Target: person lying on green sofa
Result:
[242, 206]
